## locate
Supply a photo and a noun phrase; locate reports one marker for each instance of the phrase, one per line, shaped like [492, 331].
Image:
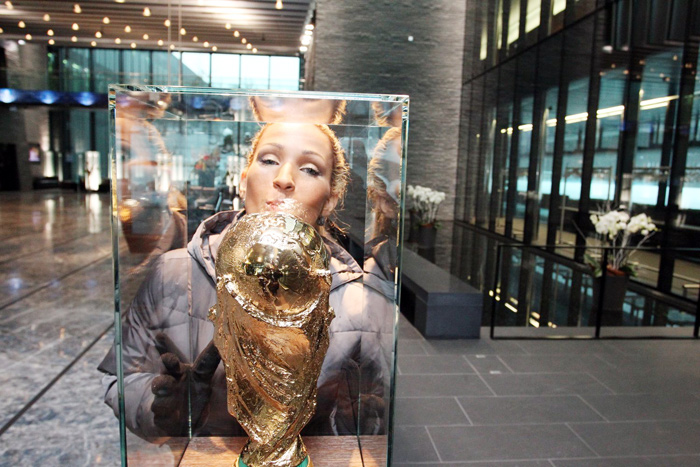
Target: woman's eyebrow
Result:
[277, 145]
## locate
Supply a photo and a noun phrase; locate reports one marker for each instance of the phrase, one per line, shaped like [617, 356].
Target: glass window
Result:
[165, 69]
[196, 69]
[284, 73]
[255, 72]
[226, 71]
[77, 70]
[106, 68]
[532, 18]
[514, 21]
[137, 66]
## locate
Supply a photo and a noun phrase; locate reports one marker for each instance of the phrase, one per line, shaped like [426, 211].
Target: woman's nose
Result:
[284, 180]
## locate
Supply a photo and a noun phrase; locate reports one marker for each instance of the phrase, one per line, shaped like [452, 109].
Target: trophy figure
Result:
[271, 319]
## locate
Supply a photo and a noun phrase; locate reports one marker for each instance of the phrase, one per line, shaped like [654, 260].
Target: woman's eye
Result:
[267, 160]
[311, 171]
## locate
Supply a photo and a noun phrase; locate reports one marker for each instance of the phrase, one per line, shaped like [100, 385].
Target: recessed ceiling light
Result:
[146, 11]
[120, 1]
[117, 41]
[105, 20]
[228, 25]
[8, 4]
[206, 44]
[308, 32]
[195, 39]
[98, 34]
[236, 33]
[21, 42]
[75, 27]
[244, 40]
[47, 17]
[172, 46]
[49, 32]
[133, 45]
[160, 42]
[21, 24]
[77, 9]
[214, 48]
[279, 5]
[303, 49]
[127, 28]
[28, 37]
[74, 39]
[93, 43]
[309, 27]
[52, 42]
[167, 23]
[183, 31]
[249, 46]
[255, 50]
[2, 30]
[145, 37]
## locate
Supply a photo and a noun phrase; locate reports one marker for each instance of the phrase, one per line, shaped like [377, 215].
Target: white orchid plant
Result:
[620, 232]
[424, 202]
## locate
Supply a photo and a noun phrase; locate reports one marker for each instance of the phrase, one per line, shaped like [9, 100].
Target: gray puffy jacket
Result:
[175, 300]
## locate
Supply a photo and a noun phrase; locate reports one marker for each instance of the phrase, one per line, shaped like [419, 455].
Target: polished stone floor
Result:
[477, 403]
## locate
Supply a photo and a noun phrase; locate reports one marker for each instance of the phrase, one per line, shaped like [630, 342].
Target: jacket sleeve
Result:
[155, 308]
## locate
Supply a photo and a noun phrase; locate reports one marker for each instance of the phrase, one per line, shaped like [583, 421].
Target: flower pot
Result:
[412, 227]
[426, 236]
[613, 298]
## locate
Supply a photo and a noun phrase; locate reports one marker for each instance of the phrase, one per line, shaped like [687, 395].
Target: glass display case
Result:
[187, 165]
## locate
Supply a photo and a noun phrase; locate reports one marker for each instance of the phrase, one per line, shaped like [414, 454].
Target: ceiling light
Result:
[236, 33]
[21, 42]
[52, 42]
[309, 27]
[127, 28]
[183, 31]
[21, 24]
[47, 17]
[105, 20]
[195, 39]
[98, 34]
[305, 40]
[93, 43]
[117, 41]
[77, 9]
[133, 45]
[28, 37]
[255, 50]
[279, 5]
[49, 32]
[228, 25]
[206, 44]
[214, 48]
[308, 32]
[8, 4]
[145, 37]
[249, 46]
[2, 30]
[303, 49]
[75, 27]
[120, 1]
[172, 46]
[160, 42]
[243, 41]
[146, 11]
[167, 23]
[74, 39]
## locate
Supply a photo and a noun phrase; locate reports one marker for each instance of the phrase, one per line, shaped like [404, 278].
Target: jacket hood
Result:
[205, 244]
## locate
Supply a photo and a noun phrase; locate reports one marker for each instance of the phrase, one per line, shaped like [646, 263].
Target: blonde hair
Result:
[341, 170]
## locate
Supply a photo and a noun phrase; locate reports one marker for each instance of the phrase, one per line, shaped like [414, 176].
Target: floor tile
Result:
[440, 386]
[521, 410]
[646, 407]
[507, 442]
[562, 363]
[641, 438]
[488, 364]
[427, 411]
[544, 384]
[444, 364]
[472, 347]
[410, 347]
[413, 444]
[656, 461]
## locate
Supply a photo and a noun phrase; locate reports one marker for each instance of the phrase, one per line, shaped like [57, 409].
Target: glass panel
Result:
[532, 18]
[284, 73]
[514, 21]
[225, 71]
[255, 72]
[137, 67]
[196, 69]
[106, 69]
[180, 156]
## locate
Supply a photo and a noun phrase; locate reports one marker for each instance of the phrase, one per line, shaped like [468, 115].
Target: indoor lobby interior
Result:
[532, 117]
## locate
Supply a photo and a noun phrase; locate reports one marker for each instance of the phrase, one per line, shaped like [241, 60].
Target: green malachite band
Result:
[304, 463]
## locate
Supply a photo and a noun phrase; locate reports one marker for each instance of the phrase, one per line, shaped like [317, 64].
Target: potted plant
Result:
[424, 203]
[622, 236]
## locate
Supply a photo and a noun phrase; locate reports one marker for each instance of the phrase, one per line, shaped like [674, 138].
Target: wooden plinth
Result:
[325, 451]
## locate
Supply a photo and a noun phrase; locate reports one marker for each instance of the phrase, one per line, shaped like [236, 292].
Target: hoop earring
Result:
[321, 220]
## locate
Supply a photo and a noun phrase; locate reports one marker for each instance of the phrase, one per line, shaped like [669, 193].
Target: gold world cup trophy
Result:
[271, 318]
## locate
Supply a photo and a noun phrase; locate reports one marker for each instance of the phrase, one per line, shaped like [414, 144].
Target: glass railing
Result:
[544, 292]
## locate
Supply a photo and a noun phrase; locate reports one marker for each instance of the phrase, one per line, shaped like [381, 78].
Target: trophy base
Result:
[305, 463]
